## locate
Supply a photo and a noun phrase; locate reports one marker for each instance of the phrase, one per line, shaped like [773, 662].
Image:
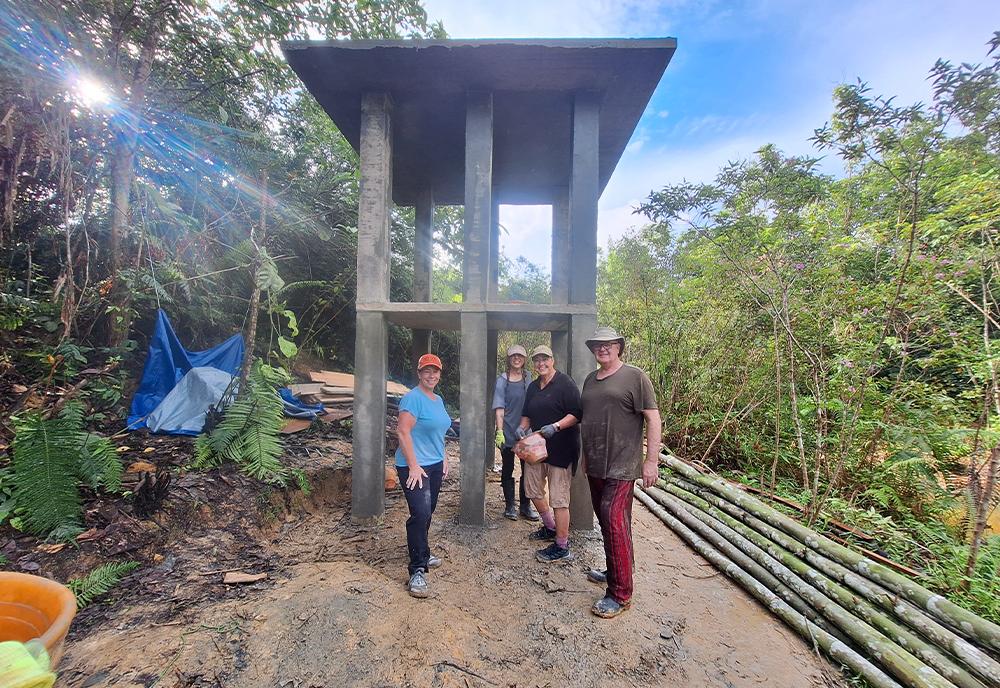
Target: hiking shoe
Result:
[608, 607]
[543, 533]
[433, 562]
[528, 512]
[418, 585]
[510, 512]
[554, 553]
[595, 576]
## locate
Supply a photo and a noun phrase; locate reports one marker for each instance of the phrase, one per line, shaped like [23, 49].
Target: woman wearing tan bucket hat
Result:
[617, 400]
[552, 408]
[508, 401]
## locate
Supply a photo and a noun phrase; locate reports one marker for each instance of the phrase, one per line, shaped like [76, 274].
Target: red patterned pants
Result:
[613, 505]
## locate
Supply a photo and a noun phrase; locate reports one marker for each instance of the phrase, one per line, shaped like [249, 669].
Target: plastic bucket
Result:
[35, 607]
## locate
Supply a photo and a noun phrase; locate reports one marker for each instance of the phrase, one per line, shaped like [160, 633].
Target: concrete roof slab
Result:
[533, 82]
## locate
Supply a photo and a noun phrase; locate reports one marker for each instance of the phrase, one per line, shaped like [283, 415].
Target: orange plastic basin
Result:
[35, 607]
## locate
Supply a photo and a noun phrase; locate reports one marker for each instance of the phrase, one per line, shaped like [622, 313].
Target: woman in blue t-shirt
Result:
[422, 465]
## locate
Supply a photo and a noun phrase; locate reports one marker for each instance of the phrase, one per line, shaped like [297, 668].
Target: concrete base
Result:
[368, 472]
[581, 510]
[472, 510]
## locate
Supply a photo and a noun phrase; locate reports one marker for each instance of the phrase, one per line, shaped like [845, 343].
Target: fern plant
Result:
[248, 434]
[51, 458]
[100, 581]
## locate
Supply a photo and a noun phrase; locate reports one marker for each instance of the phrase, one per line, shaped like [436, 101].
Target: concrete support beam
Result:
[371, 340]
[475, 286]
[584, 192]
[560, 272]
[370, 370]
[423, 256]
[472, 508]
[478, 195]
[581, 513]
[494, 259]
[489, 445]
[583, 196]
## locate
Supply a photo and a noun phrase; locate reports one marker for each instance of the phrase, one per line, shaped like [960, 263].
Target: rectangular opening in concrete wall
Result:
[525, 254]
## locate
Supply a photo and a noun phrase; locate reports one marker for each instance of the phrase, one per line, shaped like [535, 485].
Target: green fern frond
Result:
[99, 464]
[45, 477]
[249, 433]
[99, 581]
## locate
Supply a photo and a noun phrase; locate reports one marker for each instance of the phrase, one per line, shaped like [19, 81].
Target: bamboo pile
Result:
[862, 614]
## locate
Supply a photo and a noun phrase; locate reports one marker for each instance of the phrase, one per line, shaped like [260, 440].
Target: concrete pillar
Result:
[560, 272]
[478, 195]
[472, 509]
[370, 344]
[491, 380]
[494, 260]
[583, 196]
[475, 283]
[423, 255]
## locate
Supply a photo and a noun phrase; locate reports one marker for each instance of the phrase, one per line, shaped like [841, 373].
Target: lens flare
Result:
[91, 93]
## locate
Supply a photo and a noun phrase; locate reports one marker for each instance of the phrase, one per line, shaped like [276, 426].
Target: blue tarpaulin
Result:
[168, 361]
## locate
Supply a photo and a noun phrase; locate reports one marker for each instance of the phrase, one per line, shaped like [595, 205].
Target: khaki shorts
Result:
[559, 479]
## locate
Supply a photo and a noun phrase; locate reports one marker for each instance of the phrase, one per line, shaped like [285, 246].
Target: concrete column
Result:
[475, 283]
[370, 344]
[560, 272]
[370, 371]
[583, 196]
[423, 255]
[491, 380]
[478, 195]
[494, 261]
[581, 513]
[584, 191]
[472, 373]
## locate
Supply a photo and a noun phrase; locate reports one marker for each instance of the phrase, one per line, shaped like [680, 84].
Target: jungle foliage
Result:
[834, 336]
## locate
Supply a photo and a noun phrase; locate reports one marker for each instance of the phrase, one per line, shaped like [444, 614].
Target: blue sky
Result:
[746, 73]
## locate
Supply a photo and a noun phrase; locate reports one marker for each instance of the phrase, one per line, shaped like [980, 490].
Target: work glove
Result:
[521, 433]
[549, 430]
[500, 439]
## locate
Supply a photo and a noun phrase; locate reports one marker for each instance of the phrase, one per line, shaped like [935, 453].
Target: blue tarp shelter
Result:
[168, 361]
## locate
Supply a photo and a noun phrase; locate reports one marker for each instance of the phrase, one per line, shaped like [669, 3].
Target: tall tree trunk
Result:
[251, 334]
[122, 162]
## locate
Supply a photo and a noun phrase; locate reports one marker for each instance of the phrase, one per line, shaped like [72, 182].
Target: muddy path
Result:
[333, 609]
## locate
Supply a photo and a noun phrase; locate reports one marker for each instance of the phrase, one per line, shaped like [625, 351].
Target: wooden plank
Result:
[335, 415]
[295, 425]
[332, 378]
[306, 388]
[331, 391]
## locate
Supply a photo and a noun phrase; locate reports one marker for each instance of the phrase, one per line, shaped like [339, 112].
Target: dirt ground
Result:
[333, 609]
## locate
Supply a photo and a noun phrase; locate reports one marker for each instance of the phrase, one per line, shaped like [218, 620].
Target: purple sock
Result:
[548, 519]
[563, 542]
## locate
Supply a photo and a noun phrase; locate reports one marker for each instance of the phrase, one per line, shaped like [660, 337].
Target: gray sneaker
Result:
[595, 576]
[433, 562]
[418, 585]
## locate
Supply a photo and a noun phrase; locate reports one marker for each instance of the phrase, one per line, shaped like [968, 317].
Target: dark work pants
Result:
[422, 502]
[612, 500]
[507, 477]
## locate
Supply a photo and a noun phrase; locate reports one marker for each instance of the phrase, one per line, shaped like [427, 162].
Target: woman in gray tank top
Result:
[508, 401]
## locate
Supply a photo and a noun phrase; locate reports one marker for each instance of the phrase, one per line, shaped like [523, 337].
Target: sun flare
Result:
[91, 93]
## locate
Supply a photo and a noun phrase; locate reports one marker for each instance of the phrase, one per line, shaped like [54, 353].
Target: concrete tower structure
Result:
[476, 123]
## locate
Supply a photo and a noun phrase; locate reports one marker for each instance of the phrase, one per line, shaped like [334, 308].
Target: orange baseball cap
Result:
[429, 360]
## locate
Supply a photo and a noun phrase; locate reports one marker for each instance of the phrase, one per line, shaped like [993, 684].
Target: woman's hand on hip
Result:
[415, 480]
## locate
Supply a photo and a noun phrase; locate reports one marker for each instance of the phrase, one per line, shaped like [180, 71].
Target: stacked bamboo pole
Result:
[883, 625]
